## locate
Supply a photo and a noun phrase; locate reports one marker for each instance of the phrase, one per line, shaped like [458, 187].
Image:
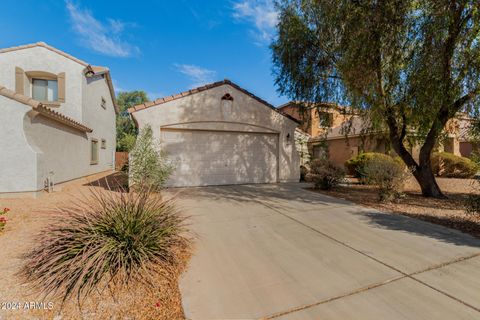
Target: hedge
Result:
[355, 166]
[445, 164]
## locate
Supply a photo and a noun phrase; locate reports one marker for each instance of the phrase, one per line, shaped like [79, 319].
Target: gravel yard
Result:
[25, 220]
[447, 212]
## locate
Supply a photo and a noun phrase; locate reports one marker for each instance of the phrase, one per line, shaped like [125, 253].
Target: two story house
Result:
[58, 118]
[338, 133]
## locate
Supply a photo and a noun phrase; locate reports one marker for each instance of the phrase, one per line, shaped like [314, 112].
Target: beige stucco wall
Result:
[34, 147]
[340, 150]
[18, 160]
[101, 120]
[205, 110]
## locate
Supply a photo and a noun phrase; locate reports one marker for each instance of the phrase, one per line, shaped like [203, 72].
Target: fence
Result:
[121, 158]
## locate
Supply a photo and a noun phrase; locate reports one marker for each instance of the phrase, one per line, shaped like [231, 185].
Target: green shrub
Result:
[387, 175]
[108, 238]
[355, 166]
[325, 175]
[445, 164]
[149, 168]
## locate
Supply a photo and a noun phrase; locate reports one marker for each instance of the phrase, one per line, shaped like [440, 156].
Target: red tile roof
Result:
[203, 88]
[44, 110]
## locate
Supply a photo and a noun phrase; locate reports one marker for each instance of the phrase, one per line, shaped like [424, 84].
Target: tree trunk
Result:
[421, 171]
[425, 178]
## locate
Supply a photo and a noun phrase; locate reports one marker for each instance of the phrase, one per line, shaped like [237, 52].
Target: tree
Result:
[408, 66]
[149, 167]
[126, 130]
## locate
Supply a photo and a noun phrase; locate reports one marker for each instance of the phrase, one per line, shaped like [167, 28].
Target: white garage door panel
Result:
[216, 158]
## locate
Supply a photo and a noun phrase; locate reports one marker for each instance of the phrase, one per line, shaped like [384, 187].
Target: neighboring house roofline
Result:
[203, 88]
[348, 136]
[44, 110]
[311, 105]
[95, 69]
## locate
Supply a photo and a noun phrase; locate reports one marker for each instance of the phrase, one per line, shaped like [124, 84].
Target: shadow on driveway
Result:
[285, 196]
[416, 225]
[280, 194]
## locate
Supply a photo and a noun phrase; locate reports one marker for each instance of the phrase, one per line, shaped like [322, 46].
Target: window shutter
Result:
[61, 87]
[19, 84]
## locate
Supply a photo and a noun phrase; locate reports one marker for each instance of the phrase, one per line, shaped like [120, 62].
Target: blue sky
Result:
[162, 47]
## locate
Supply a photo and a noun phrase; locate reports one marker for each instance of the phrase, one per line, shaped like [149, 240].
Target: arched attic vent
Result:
[227, 97]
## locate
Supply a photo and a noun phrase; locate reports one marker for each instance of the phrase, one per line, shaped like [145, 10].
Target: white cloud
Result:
[198, 75]
[262, 14]
[104, 38]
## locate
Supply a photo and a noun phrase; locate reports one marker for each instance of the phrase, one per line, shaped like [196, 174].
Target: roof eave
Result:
[44, 110]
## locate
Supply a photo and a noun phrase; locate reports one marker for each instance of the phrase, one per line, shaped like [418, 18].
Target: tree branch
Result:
[460, 102]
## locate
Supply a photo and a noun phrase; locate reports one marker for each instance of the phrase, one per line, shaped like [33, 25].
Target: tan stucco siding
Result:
[101, 120]
[62, 152]
[18, 159]
[340, 150]
[245, 114]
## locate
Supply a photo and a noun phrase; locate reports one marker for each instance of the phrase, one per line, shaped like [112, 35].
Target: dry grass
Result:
[162, 301]
[27, 218]
[447, 212]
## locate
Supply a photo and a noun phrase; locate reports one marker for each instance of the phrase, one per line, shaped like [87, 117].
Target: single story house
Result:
[58, 118]
[221, 134]
[339, 133]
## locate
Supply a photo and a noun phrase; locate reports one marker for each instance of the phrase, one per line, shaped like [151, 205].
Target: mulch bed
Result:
[446, 212]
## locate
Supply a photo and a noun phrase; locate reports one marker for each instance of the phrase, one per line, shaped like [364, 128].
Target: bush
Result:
[149, 168]
[445, 164]
[356, 165]
[126, 142]
[325, 175]
[388, 175]
[110, 238]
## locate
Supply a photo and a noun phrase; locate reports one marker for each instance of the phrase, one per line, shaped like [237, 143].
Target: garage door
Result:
[221, 157]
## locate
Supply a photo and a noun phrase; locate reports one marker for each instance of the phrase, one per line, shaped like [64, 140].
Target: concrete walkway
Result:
[282, 252]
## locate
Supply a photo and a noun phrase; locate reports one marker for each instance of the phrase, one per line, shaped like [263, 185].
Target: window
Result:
[94, 152]
[103, 103]
[324, 119]
[104, 144]
[44, 90]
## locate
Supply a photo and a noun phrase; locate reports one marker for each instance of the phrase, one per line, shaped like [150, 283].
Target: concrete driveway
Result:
[282, 252]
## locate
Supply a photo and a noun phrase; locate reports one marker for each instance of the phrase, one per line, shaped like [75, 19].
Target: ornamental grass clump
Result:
[106, 239]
